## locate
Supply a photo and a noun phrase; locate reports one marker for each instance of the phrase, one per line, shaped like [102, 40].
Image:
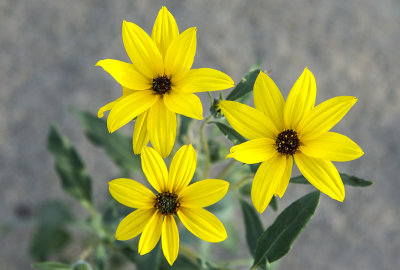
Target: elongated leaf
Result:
[348, 180]
[253, 225]
[245, 86]
[230, 133]
[82, 265]
[52, 266]
[69, 166]
[277, 240]
[118, 147]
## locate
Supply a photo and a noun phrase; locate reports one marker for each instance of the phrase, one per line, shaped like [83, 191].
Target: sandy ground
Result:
[48, 49]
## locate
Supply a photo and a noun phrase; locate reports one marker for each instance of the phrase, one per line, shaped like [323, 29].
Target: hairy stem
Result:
[205, 147]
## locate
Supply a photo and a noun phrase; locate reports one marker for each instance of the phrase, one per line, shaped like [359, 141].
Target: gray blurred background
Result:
[48, 49]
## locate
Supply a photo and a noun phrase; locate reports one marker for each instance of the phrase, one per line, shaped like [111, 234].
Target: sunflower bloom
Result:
[154, 217]
[280, 132]
[159, 83]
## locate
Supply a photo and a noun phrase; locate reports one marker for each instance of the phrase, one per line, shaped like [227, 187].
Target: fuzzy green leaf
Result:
[69, 166]
[348, 180]
[245, 86]
[277, 240]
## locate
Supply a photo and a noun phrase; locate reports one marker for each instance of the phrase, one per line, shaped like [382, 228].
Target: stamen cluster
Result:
[167, 203]
[287, 142]
[161, 85]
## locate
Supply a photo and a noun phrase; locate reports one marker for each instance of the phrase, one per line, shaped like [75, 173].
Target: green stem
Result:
[205, 146]
[242, 182]
[89, 206]
[87, 251]
[226, 170]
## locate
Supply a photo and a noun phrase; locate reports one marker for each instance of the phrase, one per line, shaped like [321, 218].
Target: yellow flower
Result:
[159, 83]
[154, 216]
[280, 132]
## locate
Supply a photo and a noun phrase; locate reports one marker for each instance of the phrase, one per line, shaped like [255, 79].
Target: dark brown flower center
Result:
[167, 203]
[161, 85]
[287, 142]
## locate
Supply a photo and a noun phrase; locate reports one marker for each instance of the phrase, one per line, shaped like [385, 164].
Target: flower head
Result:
[158, 83]
[155, 213]
[280, 132]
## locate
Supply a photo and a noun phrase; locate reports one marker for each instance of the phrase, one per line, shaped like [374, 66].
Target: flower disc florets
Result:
[287, 142]
[161, 85]
[167, 203]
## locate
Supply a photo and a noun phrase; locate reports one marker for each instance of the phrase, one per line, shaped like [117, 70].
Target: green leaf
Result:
[50, 235]
[230, 133]
[118, 147]
[69, 166]
[348, 180]
[52, 266]
[82, 265]
[245, 86]
[253, 225]
[274, 203]
[277, 240]
[184, 128]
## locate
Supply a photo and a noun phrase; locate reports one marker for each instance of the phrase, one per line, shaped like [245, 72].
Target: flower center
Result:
[287, 142]
[167, 203]
[161, 85]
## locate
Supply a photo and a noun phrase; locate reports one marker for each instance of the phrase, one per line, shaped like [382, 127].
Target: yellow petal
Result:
[170, 239]
[165, 30]
[133, 224]
[254, 151]
[203, 80]
[140, 135]
[180, 54]
[202, 224]
[151, 234]
[131, 193]
[286, 177]
[203, 193]
[300, 100]
[325, 116]
[109, 106]
[161, 126]
[182, 168]
[128, 108]
[266, 181]
[249, 122]
[269, 100]
[125, 74]
[186, 104]
[154, 168]
[332, 146]
[322, 174]
[141, 49]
